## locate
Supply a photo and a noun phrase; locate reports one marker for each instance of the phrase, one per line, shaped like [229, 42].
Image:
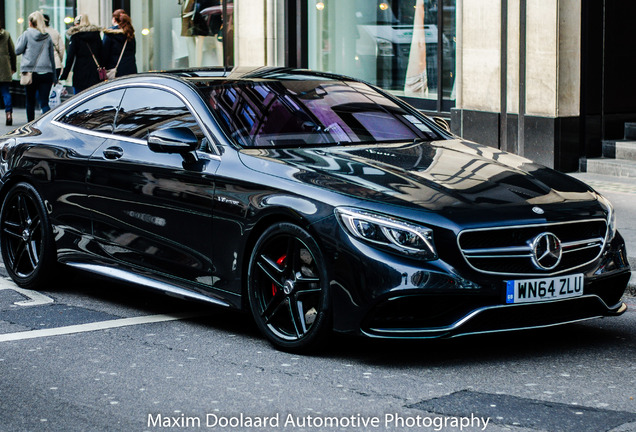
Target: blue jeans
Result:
[6, 96]
[40, 87]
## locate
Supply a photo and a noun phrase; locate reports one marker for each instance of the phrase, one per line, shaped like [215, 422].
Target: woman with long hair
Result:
[119, 45]
[84, 53]
[38, 58]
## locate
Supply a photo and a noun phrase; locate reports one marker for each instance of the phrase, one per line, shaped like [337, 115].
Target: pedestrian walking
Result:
[58, 44]
[119, 45]
[84, 54]
[7, 69]
[38, 64]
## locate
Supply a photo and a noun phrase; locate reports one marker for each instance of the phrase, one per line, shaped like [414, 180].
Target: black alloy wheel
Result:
[26, 240]
[288, 288]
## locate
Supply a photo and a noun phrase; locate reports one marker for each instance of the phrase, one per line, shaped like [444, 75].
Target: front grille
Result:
[510, 250]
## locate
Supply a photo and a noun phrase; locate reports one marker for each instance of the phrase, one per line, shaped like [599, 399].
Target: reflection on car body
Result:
[312, 200]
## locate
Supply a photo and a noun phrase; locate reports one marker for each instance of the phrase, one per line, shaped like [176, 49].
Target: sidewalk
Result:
[620, 191]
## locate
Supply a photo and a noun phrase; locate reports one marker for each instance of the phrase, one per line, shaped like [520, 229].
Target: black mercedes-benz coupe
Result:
[315, 201]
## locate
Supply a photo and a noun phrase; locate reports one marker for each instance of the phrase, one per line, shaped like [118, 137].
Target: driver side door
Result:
[153, 211]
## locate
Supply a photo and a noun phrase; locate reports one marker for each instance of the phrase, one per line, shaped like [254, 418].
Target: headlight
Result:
[388, 232]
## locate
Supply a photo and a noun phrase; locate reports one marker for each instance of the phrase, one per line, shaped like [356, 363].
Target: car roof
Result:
[256, 73]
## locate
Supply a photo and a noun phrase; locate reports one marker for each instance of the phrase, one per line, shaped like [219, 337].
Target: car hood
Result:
[441, 176]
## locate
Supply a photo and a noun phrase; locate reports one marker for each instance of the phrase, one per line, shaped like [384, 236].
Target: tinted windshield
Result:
[299, 113]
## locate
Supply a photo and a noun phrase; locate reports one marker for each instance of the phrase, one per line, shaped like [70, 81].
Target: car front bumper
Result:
[379, 295]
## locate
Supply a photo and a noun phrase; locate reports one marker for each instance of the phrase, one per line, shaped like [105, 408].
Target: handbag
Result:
[112, 73]
[26, 78]
[101, 70]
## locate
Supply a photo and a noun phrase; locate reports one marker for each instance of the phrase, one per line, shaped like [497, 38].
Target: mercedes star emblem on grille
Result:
[546, 251]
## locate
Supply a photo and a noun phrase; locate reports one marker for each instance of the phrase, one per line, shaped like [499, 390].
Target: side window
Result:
[144, 110]
[96, 114]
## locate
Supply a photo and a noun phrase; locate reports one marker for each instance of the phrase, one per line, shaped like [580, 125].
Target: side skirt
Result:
[134, 278]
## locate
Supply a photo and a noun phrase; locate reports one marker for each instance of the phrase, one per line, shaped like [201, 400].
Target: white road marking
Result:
[101, 325]
[35, 298]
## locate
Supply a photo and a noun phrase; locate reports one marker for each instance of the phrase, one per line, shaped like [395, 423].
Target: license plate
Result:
[545, 289]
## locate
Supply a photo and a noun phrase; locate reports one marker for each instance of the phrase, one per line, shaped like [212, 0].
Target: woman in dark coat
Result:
[122, 32]
[85, 41]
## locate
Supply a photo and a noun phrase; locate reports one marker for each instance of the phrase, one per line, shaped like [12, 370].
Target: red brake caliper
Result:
[280, 262]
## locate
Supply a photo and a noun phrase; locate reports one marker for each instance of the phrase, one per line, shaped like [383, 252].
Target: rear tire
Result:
[288, 288]
[26, 239]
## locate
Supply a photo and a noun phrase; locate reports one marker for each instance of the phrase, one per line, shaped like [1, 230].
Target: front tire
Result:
[26, 239]
[288, 288]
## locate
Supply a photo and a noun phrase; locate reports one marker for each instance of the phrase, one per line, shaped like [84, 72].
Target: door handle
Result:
[114, 152]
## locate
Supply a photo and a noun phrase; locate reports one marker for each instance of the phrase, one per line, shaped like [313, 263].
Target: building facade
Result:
[546, 79]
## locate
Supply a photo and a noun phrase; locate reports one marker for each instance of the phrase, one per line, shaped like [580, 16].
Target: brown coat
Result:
[7, 56]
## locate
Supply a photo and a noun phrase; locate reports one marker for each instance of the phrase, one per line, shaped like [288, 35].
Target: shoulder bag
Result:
[112, 73]
[101, 71]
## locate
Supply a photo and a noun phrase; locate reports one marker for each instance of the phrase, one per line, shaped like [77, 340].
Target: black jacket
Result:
[79, 56]
[113, 43]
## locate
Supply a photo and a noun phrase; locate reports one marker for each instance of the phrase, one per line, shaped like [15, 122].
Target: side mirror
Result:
[173, 140]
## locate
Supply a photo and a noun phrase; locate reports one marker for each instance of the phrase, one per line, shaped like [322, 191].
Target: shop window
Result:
[204, 35]
[404, 46]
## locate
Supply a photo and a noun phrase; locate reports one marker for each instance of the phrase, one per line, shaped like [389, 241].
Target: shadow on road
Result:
[611, 334]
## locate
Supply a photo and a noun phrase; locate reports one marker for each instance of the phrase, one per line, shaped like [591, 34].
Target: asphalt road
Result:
[134, 363]
[89, 355]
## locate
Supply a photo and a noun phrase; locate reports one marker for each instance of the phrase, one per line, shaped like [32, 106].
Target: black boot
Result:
[9, 118]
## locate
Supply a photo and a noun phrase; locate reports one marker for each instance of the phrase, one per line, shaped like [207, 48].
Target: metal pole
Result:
[522, 77]
[440, 54]
[224, 34]
[503, 131]
[603, 72]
